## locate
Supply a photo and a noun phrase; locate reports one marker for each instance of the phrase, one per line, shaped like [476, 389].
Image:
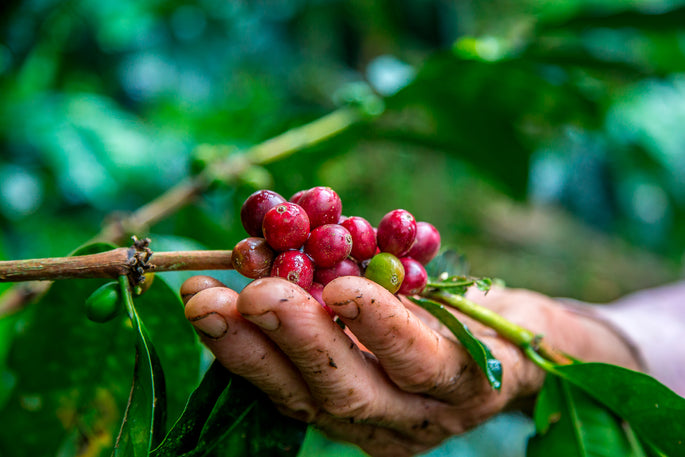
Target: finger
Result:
[345, 382]
[415, 357]
[244, 350]
[195, 284]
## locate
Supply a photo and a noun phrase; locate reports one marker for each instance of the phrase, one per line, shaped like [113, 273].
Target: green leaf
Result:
[447, 272]
[484, 284]
[7, 380]
[570, 423]
[92, 248]
[456, 104]
[655, 413]
[672, 19]
[177, 344]
[143, 424]
[228, 416]
[448, 262]
[68, 376]
[273, 435]
[185, 433]
[477, 349]
[230, 410]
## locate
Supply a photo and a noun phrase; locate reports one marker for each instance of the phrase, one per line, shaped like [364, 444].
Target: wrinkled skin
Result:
[395, 382]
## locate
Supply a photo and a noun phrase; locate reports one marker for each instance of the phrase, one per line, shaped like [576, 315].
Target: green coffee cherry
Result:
[143, 287]
[105, 303]
[386, 270]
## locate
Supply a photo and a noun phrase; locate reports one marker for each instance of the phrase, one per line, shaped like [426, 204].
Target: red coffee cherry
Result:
[255, 207]
[322, 204]
[415, 277]
[316, 291]
[328, 244]
[396, 232]
[347, 267]
[297, 196]
[363, 237]
[294, 266]
[252, 257]
[427, 243]
[286, 226]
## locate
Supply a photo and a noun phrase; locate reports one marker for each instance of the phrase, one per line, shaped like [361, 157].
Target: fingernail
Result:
[213, 325]
[347, 309]
[267, 320]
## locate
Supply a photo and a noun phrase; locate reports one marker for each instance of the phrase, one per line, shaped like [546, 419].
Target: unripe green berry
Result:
[386, 270]
[145, 284]
[105, 303]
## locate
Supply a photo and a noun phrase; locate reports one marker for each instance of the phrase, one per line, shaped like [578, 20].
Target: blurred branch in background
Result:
[216, 168]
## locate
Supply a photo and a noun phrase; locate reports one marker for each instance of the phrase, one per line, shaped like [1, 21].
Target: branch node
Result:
[140, 254]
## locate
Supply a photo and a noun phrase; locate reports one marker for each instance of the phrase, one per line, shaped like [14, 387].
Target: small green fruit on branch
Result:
[105, 303]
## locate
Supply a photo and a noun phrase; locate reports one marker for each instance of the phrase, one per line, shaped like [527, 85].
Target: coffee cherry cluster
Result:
[308, 241]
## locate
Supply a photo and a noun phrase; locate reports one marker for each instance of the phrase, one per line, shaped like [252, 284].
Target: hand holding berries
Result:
[392, 372]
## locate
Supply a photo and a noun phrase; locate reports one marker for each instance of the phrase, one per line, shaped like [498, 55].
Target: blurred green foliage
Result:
[543, 139]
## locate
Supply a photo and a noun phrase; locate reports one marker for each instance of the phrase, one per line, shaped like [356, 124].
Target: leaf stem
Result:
[468, 282]
[145, 416]
[540, 361]
[512, 332]
[520, 336]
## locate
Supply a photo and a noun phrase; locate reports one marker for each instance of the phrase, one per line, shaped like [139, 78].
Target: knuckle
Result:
[423, 379]
[417, 376]
[352, 405]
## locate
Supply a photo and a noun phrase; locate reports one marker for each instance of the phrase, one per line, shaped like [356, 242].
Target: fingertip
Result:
[209, 310]
[195, 284]
[266, 294]
[346, 294]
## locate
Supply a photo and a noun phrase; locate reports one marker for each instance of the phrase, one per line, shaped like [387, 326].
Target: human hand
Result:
[395, 381]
